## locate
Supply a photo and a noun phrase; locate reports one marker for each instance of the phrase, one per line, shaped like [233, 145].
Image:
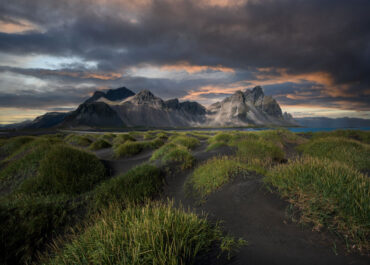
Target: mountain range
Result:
[118, 108]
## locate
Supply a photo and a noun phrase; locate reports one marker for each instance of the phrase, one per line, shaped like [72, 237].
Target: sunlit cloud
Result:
[17, 27]
[191, 69]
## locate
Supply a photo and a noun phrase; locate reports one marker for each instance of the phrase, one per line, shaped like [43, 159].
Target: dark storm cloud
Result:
[299, 36]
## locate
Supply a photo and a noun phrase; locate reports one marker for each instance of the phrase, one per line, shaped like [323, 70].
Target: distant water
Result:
[307, 129]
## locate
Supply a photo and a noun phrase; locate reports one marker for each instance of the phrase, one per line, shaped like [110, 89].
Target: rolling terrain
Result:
[233, 177]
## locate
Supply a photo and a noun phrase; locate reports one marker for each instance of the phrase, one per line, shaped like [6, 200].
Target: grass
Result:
[65, 170]
[28, 223]
[215, 172]
[122, 138]
[220, 139]
[138, 184]
[11, 145]
[80, 140]
[107, 137]
[362, 136]
[187, 141]
[153, 234]
[24, 163]
[329, 194]
[173, 153]
[351, 152]
[100, 144]
[258, 153]
[129, 148]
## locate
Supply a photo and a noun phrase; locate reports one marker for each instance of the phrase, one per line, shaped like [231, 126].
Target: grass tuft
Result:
[187, 141]
[28, 223]
[122, 138]
[138, 184]
[65, 170]
[173, 153]
[100, 144]
[215, 172]
[351, 152]
[11, 145]
[153, 234]
[129, 148]
[329, 194]
[24, 163]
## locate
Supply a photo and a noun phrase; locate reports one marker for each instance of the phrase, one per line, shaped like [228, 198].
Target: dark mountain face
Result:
[112, 95]
[48, 120]
[119, 94]
[190, 107]
[95, 114]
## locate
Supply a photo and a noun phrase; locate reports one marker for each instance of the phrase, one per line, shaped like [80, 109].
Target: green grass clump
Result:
[362, 136]
[351, 152]
[215, 172]
[24, 163]
[80, 140]
[215, 145]
[140, 183]
[122, 138]
[173, 153]
[65, 170]
[187, 141]
[107, 137]
[329, 194]
[28, 223]
[11, 145]
[162, 135]
[156, 142]
[220, 139]
[129, 148]
[153, 234]
[100, 144]
[258, 153]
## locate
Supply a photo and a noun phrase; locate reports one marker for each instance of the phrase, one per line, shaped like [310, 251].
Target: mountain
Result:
[323, 122]
[94, 114]
[145, 109]
[123, 108]
[250, 107]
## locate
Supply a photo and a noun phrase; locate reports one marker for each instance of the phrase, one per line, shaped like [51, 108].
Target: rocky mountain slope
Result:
[123, 108]
[250, 107]
[145, 109]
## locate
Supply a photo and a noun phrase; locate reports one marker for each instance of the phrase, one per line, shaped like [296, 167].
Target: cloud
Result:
[312, 52]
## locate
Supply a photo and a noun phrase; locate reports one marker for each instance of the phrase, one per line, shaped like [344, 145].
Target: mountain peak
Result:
[112, 94]
[145, 95]
[119, 94]
[257, 90]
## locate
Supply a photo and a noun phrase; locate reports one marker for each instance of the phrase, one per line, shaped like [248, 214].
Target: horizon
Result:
[305, 54]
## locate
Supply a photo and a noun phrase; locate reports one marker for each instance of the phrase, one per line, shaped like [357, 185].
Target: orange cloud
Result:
[20, 26]
[191, 69]
[273, 76]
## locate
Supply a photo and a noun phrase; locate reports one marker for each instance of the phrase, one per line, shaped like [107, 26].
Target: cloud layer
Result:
[314, 52]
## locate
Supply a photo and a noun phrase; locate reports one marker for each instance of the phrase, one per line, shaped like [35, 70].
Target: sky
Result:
[312, 56]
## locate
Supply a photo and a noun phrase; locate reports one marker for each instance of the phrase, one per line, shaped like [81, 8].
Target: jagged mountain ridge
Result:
[123, 108]
[145, 109]
[250, 107]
